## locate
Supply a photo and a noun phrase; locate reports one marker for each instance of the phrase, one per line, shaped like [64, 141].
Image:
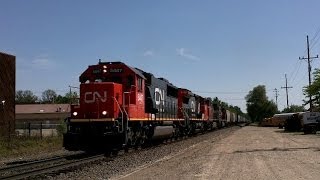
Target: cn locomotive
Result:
[123, 106]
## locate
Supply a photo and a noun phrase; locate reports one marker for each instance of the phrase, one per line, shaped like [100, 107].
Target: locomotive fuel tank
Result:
[162, 132]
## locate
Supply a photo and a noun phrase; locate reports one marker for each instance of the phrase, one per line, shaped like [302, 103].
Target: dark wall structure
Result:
[7, 94]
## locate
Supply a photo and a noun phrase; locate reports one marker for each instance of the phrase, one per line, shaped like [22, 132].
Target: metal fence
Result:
[38, 129]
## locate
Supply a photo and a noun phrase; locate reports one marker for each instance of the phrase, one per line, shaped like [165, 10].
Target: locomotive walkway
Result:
[249, 153]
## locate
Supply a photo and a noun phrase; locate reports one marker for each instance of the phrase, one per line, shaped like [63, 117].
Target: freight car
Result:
[122, 106]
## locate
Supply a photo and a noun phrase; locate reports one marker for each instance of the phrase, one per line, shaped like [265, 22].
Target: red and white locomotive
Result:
[121, 105]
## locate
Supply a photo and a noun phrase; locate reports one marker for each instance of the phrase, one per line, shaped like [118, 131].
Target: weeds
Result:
[28, 145]
[61, 128]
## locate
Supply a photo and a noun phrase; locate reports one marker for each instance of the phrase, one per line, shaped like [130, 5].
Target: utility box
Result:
[7, 94]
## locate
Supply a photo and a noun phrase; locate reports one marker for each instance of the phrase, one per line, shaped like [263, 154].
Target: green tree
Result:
[73, 96]
[293, 108]
[222, 104]
[25, 97]
[62, 100]
[258, 105]
[49, 96]
[67, 98]
[313, 90]
[216, 101]
[237, 110]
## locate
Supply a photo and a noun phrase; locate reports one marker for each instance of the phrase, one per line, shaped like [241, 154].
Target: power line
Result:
[314, 37]
[295, 69]
[315, 42]
[312, 42]
[299, 80]
[295, 73]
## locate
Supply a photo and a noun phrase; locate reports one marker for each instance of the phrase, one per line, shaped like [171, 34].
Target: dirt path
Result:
[249, 153]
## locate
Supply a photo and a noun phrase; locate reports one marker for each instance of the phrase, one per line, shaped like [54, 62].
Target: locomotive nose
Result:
[99, 101]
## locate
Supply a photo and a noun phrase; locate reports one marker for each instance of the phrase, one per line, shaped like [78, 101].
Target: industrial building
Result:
[7, 94]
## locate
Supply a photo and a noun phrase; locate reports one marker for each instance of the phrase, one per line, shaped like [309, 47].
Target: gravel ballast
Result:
[140, 159]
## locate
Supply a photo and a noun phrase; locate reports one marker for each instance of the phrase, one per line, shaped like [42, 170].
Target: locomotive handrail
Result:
[120, 111]
[124, 105]
[127, 119]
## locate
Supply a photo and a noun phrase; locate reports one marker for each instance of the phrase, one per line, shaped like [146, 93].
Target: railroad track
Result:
[36, 168]
[56, 164]
[46, 166]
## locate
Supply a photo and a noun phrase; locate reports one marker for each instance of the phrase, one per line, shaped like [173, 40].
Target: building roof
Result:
[6, 54]
[42, 108]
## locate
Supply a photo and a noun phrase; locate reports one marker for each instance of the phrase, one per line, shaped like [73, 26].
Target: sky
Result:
[214, 48]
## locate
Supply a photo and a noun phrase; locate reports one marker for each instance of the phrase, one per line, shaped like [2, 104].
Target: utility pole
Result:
[309, 66]
[276, 91]
[286, 87]
[70, 98]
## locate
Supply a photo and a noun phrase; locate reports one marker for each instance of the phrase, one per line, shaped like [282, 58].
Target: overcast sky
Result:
[215, 48]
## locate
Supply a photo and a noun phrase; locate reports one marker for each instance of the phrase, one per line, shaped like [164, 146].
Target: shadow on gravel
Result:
[290, 132]
[277, 149]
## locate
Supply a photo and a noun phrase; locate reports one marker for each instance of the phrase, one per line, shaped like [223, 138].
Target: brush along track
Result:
[39, 167]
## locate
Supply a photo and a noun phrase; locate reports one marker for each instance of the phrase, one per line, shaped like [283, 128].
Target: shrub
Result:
[61, 128]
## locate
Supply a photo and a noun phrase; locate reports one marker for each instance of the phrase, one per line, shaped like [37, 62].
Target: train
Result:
[122, 106]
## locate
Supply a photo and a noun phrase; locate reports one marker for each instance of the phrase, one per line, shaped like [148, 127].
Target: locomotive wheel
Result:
[115, 152]
[107, 153]
[137, 138]
[177, 133]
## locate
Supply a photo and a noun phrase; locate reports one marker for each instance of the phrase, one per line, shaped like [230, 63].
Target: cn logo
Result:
[90, 97]
[159, 96]
[193, 106]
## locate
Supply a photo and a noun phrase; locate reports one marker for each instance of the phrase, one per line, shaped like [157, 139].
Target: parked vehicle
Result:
[306, 121]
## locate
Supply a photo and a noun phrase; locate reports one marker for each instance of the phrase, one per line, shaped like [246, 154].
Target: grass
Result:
[28, 145]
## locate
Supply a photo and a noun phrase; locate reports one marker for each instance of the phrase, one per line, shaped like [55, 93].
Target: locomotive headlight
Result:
[104, 70]
[104, 113]
[75, 113]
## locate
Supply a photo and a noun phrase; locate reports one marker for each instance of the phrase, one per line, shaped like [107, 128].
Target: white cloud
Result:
[42, 62]
[148, 53]
[182, 52]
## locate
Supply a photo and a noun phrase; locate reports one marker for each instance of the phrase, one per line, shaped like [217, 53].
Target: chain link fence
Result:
[40, 128]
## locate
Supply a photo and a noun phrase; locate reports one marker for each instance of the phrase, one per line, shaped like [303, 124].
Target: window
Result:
[140, 84]
[172, 91]
[116, 79]
[129, 81]
[185, 100]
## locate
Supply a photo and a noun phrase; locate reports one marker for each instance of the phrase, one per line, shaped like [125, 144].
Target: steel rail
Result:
[34, 162]
[48, 169]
